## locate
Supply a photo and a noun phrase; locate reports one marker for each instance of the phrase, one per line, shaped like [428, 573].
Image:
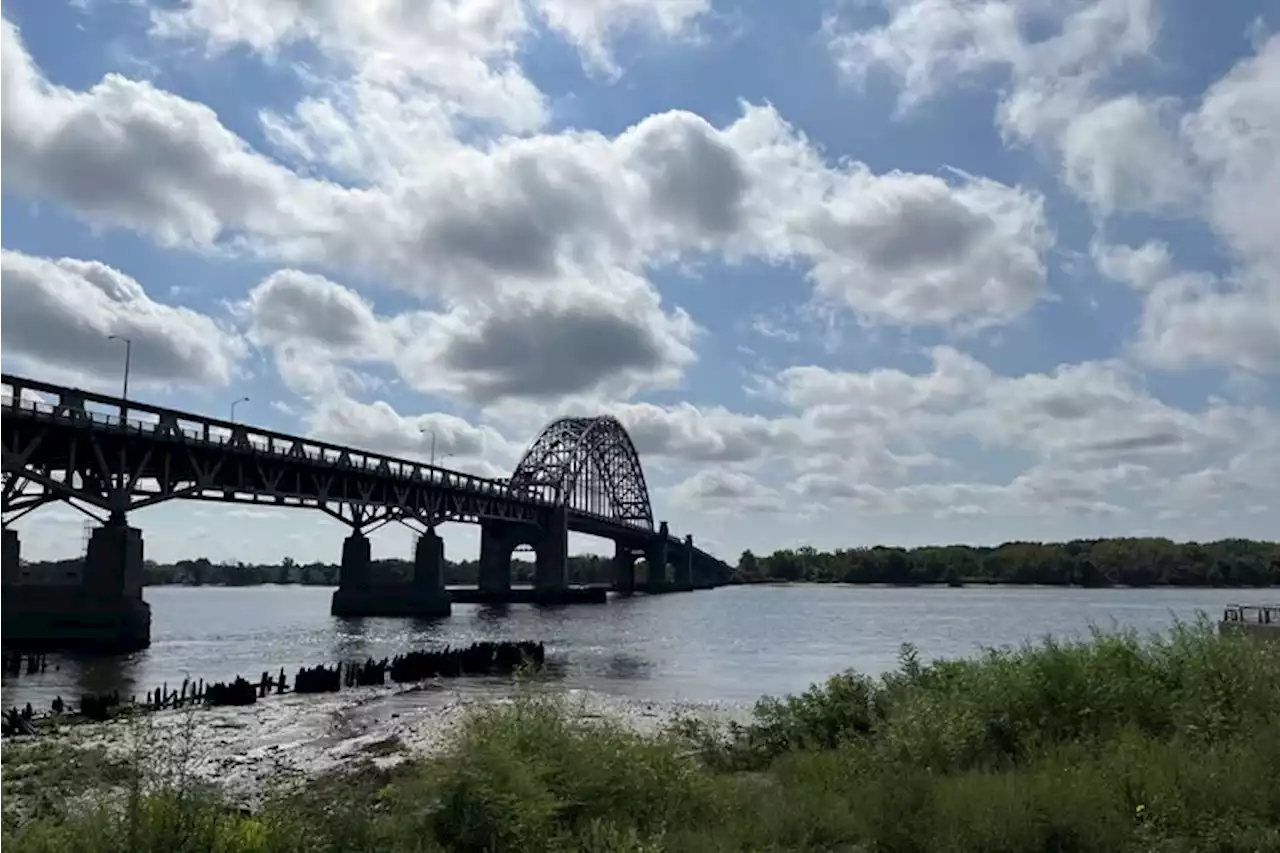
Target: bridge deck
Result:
[85, 445]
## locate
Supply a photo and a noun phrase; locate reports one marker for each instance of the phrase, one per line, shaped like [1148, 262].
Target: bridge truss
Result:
[589, 465]
[107, 457]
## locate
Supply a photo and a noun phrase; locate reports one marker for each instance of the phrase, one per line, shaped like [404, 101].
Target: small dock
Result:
[1260, 620]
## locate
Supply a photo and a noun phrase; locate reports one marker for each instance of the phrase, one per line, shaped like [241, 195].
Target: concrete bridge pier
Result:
[550, 541]
[703, 574]
[552, 555]
[360, 594]
[354, 575]
[103, 612]
[10, 557]
[624, 569]
[655, 556]
[498, 542]
[428, 564]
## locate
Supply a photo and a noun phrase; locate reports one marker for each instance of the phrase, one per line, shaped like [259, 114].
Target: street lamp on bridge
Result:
[128, 357]
[432, 432]
[235, 403]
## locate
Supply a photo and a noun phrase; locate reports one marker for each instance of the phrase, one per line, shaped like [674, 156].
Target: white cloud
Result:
[296, 307]
[543, 346]
[529, 346]
[454, 247]
[592, 25]
[125, 153]
[882, 441]
[1084, 415]
[378, 427]
[1233, 320]
[912, 249]
[465, 50]
[59, 314]
[555, 228]
[1117, 153]
[718, 491]
[1125, 152]
[1235, 133]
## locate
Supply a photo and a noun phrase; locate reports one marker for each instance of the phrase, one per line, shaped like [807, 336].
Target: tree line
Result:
[1081, 562]
[583, 569]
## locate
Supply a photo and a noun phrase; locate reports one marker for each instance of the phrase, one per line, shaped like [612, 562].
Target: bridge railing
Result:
[235, 436]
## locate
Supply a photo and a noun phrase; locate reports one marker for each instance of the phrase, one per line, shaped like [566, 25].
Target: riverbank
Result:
[1113, 744]
[250, 754]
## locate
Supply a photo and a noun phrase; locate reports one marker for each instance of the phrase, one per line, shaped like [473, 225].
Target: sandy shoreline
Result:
[247, 751]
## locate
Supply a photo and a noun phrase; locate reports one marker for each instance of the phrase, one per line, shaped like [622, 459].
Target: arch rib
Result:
[589, 465]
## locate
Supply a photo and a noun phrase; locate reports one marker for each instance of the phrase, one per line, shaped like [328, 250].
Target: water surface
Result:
[721, 647]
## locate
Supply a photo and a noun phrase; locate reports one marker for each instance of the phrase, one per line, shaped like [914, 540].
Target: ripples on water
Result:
[726, 647]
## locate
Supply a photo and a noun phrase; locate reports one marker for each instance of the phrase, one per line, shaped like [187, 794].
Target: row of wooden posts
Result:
[484, 658]
[14, 663]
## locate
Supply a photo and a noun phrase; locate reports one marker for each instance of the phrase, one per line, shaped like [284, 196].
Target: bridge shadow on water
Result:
[75, 674]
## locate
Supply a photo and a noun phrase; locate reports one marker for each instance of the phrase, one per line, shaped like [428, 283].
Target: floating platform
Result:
[1256, 620]
[530, 595]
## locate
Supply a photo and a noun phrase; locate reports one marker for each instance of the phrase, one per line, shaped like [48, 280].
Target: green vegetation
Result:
[1092, 562]
[583, 569]
[1083, 562]
[1115, 745]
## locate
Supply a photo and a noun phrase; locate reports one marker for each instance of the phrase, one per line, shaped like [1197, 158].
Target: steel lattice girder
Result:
[589, 465]
[119, 470]
[125, 455]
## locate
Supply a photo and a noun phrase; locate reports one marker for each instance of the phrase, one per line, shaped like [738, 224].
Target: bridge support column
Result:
[359, 594]
[552, 553]
[113, 579]
[496, 546]
[10, 562]
[428, 564]
[356, 569]
[354, 574]
[104, 612]
[624, 569]
[684, 566]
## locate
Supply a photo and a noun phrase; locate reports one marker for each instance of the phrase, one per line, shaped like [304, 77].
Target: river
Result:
[723, 647]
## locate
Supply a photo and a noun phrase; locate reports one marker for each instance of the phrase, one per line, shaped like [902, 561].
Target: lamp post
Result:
[128, 357]
[432, 431]
[235, 403]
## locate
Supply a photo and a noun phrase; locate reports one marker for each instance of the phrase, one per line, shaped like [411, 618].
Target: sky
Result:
[896, 272]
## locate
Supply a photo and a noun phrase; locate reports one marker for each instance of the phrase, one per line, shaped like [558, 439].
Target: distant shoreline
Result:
[976, 582]
[1087, 563]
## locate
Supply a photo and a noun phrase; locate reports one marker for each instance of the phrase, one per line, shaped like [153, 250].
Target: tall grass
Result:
[1116, 744]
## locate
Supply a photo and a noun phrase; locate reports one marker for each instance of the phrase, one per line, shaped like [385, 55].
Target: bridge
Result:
[110, 457]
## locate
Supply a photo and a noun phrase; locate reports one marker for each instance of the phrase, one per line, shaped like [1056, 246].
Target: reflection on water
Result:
[724, 646]
[101, 675]
[624, 667]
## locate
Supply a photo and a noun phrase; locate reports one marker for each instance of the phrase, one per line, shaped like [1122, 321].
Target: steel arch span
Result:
[589, 465]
